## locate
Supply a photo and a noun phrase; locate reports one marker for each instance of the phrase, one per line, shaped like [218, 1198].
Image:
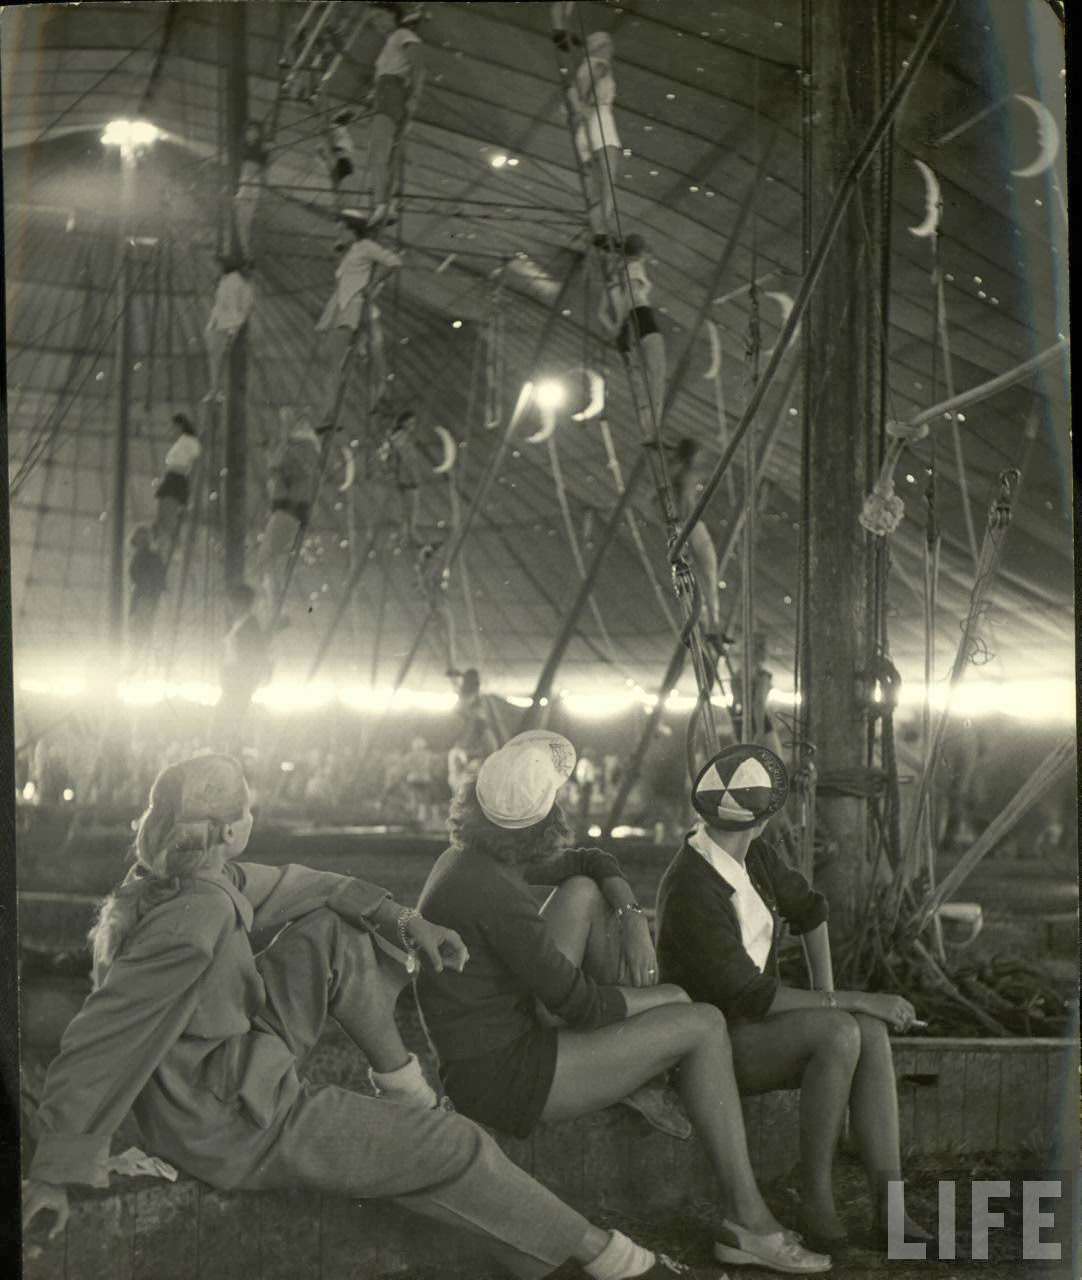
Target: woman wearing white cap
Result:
[604, 1027]
[213, 980]
[719, 905]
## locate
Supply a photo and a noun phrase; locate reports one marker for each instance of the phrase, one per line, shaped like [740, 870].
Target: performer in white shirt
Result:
[233, 301]
[174, 488]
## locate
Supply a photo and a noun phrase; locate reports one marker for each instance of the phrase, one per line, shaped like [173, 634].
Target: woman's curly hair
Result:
[474, 833]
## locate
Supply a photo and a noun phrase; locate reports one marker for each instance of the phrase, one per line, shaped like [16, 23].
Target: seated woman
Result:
[213, 980]
[717, 920]
[604, 1027]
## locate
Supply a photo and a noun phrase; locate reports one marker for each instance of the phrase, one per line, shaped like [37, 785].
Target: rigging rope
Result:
[842, 197]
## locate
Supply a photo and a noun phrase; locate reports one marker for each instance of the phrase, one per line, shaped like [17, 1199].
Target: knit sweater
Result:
[699, 944]
[513, 961]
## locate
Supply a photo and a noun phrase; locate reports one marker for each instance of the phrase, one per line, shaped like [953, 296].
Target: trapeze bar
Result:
[987, 389]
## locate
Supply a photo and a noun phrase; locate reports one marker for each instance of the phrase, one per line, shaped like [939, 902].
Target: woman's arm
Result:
[895, 1011]
[816, 945]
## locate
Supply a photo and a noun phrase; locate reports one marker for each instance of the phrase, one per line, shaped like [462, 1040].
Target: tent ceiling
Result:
[703, 86]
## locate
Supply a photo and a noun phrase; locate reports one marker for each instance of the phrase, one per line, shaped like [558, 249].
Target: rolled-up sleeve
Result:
[701, 950]
[800, 906]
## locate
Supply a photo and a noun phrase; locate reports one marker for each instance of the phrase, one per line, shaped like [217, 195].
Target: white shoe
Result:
[778, 1250]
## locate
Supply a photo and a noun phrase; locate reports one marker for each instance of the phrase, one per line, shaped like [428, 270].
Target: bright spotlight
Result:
[498, 161]
[130, 136]
[550, 394]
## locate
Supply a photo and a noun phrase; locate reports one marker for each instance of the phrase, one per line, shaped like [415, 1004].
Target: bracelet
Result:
[410, 913]
[831, 999]
[630, 908]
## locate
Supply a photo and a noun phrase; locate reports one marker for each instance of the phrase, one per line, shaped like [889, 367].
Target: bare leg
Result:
[244, 203]
[704, 560]
[874, 1111]
[652, 346]
[817, 1050]
[605, 163]
[167, 522]
[218, 344]
[380, 144]
[594, 1069]
[580, 924]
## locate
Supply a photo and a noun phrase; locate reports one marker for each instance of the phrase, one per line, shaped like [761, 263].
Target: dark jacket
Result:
[513, 960]
[699, 945]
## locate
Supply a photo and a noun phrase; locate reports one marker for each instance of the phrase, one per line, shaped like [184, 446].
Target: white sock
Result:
[405, 1084]
[620, 1259]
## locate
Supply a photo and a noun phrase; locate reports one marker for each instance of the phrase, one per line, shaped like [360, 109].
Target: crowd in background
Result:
[328, 773]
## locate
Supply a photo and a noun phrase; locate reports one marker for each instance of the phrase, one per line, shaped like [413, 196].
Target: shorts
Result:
[174, 485]
[639, 323]
[300, 511]
[596, 130]
[341, 169]
[506, 1089]
[391, 99]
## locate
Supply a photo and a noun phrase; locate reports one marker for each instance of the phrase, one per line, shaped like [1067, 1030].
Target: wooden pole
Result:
[235, 57]
[118, 556]
[847, 43]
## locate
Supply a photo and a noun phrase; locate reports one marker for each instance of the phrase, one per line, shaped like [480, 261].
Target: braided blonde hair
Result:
[191, 804]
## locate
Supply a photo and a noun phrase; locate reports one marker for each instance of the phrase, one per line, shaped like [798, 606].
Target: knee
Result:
[326, 931]
[840, 1035]
[874, 1035]
[582, 895]
[707, 1021]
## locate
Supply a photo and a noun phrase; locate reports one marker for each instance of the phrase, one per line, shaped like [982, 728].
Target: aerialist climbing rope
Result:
[358, 276]
[590, 99]
[629, 318]
[250, 185]
[146, 571]
[233, 301]
[397, 453]
[174, 488]
[294, 482]
[338, 151]
[399, 79]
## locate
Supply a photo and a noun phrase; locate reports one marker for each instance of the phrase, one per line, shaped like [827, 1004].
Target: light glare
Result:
[130, 135]
[550, 394]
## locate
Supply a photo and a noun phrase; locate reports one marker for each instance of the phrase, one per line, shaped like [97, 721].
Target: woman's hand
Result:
[441, 947]
[638, 950]
[895, 1011]
[39, 1196]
